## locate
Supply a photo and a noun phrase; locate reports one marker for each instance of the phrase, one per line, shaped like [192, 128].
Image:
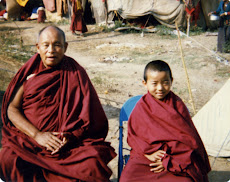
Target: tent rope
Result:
[185, 69]
[207, 49]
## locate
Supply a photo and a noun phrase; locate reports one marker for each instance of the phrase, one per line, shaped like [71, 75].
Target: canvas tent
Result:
[97, 9]
[166, 12]
[213, 123]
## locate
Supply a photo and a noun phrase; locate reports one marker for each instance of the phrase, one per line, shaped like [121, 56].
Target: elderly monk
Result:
[54, 126]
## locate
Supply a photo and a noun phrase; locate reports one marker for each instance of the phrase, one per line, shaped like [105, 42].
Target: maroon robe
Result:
[59, 99]
[164, 125]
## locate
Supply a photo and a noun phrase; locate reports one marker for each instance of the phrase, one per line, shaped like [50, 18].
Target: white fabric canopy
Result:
[213, 123]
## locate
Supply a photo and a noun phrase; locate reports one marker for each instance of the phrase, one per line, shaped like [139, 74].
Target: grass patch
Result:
[226, 47]
[165, 32]
[195, 30]
[103, 84]
[117, 24]
[12, 47]
[63, 21]
[12, 51]
[97, 80]
[223, 72]
[5, 79]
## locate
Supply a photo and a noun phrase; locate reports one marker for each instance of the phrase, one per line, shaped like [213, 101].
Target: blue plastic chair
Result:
[125, 112]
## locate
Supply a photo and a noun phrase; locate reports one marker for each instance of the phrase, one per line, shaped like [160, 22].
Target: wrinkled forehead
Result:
[51, 34]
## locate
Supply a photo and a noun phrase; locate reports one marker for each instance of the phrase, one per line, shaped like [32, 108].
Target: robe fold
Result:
[58, 99]
[164, 125]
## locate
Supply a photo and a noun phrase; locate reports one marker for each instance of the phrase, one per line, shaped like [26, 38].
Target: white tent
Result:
[213, 123]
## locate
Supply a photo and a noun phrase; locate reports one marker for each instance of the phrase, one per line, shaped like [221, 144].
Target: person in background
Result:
[165, 145]
[223, 11]
[41, 14]
[77, 25]
[54, 126]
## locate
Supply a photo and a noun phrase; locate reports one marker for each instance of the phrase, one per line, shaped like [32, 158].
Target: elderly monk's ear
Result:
[65, 46]
[37, 45]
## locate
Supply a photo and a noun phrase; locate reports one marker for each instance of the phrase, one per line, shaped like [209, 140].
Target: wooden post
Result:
[106, 12]
[188, 23]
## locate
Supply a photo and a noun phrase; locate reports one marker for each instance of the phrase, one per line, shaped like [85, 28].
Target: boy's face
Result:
[158, 83]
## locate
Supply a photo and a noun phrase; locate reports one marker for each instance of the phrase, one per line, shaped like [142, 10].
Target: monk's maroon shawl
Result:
[60, 99]
[164, 125]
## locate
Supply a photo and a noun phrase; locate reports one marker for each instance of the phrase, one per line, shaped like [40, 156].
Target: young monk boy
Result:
[164, 141]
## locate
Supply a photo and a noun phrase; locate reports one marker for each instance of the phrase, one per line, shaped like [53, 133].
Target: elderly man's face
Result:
[51, 47]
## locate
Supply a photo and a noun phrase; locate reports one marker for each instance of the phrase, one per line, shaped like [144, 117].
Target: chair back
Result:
[125, 112]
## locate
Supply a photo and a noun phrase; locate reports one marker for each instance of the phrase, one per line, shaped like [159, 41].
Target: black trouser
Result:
[223, 34]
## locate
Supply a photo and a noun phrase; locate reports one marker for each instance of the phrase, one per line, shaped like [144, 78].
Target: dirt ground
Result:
[115, 61]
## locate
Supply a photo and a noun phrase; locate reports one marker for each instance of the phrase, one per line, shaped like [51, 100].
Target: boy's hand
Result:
[158, 155]
[157, 167]
[156, 158]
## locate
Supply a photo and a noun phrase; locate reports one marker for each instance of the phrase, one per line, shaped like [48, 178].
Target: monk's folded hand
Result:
[158, 155]
[157, 167]
[64, 141]
[49, 141]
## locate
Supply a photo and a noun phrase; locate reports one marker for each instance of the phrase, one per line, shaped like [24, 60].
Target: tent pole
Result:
[186, 73]
[188, 24]
[146, 22]
[69, 10]
[188, 17]
[106, 12]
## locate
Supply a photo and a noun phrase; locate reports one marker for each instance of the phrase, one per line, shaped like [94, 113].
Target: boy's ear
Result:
[144, 82]
[172, 79]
